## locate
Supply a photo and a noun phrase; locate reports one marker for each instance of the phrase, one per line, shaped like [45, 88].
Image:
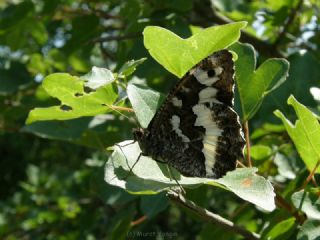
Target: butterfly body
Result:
[196, 129]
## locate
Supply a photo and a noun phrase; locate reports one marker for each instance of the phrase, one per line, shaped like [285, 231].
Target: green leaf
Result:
[282, 230]
[37, 64]
[39, 32]
[260, 152]
[308, 203]
[305, 133]
[120, 223]
[99, 131]
[250, 187]
[304, 73]
[286, 166]
[179, 55]
[144, 101]
[70, 207]
[150, 177]
[14, 78]
[310, 230]
[57, 59]
[129, 67]
[151, 205]
[267, 129]
[98, 77]
[254, 84]
[75, 101]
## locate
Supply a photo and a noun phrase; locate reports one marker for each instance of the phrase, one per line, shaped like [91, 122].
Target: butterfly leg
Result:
[133, 141]
[130, 167]
[172, 177]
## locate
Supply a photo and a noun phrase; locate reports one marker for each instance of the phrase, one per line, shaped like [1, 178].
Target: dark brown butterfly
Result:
[196, 129]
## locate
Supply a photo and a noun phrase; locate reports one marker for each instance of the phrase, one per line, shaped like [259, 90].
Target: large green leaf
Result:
[179, 55]
[305, 133]
[150, 177]
[99, 131]
[254, 84]
[282, 230]
[75, 100]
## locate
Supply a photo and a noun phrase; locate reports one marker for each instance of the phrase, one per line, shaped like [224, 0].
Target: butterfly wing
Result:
[196, 129]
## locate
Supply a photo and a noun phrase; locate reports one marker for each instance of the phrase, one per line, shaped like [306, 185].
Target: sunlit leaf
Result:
[179, 55]
[254, 84]
[98, 77]
[75, 100]
[150, 177]
[305, 133]
[282, 230]
[129, 67]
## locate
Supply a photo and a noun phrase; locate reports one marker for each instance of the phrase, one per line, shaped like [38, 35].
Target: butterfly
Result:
[196, 129]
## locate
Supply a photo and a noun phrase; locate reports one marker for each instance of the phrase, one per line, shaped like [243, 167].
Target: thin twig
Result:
[105, 53]
[246, 132]
[4, 128]
[288, 22]
[116, 38]
[211, 217]
[82, 12]
[311, 174]
[138, 221]
[238, 210]
[282, 203]
[314, 182]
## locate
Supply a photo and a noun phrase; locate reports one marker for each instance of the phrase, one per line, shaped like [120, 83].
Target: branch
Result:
[289, 21]
[116, 38]
[106, 54]
[210, 217]
[311, 174]
[282, 203]
[138, 221]
[246, 132]
[81, 12]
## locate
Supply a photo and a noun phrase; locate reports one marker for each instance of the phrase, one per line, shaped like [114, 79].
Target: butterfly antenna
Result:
[119, 109]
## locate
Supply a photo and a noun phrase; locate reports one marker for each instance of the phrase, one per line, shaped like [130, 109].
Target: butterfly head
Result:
[140, 135]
